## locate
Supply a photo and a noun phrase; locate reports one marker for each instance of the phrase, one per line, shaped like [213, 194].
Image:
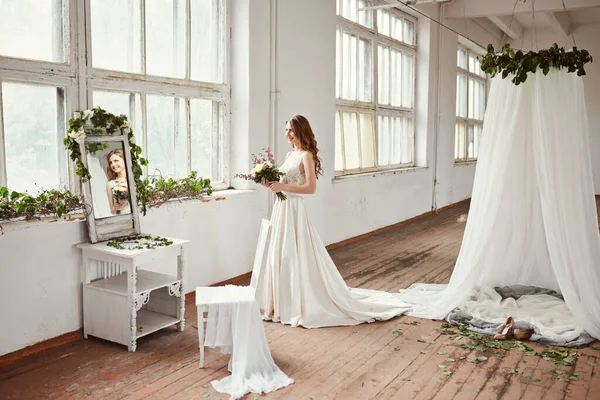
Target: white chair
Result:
[206, 295]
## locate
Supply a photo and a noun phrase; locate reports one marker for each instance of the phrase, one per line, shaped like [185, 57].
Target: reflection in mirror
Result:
[110, 191]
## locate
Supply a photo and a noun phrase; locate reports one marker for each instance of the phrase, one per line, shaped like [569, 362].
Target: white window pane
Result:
[339, 157]
[352, 11]
[351, 140]
[471, 63]
[206, 149]
[116, 103]
[408, 85]
[481, 104]
[396, 78]
[459, 141]
[34, 29]
[476, 139]
[470, 141]
[471, 99]
[383, 141]
[396, 28]
[365, 64]
[365, 17]
[165, 38]
[181, 138]
[338, 10]
[160, 143]
[461, 59]
[34, 126]
[461, 96]
[207, 40]
[116, 35]
[384, 75]
[383, 22]
[353, 67]
[396, 135]
[409, 32]
[338, 63]
[408, 143]
[349, 68]
[367, 141]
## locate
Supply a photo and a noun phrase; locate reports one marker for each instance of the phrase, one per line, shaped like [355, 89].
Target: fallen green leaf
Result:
[206, 395]
[423, 351]
[442, 352]
[441, 366]
[482, 358]
[450, 359]
[448, 373]
[396, 348]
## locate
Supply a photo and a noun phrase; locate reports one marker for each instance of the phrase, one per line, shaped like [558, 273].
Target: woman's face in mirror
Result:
[116, 163]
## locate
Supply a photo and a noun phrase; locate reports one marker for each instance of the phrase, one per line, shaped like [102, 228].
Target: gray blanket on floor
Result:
[459, 317]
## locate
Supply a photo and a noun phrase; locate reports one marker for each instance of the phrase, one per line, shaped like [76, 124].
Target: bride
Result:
[302, 286]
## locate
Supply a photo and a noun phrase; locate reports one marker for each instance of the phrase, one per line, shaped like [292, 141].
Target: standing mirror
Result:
[103, 148]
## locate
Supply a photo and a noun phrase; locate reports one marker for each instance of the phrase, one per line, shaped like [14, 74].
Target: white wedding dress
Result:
[302, 286]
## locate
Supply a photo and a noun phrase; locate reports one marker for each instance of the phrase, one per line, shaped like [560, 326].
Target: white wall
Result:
[40, 286]
[586, 37]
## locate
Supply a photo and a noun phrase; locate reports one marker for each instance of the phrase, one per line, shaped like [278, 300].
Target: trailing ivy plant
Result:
[161, 190]
[56, 202]
[99, 122]
[518, 63]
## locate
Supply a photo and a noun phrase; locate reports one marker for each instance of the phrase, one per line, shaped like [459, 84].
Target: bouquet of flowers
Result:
[120, 192]
[264, 168]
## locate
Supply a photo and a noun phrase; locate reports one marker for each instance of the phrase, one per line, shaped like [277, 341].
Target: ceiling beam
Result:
[560, 22]
[508, 25]
[488, 8]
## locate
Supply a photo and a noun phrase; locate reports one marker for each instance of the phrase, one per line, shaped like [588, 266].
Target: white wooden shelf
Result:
[149, 322]
[146, 280]
[129, 302]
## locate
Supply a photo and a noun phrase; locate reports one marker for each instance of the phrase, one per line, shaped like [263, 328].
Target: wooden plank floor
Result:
[397, 359]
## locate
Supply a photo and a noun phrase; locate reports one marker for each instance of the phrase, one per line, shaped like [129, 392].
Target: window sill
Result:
[365, 175]
[459, 163]
[19, 224]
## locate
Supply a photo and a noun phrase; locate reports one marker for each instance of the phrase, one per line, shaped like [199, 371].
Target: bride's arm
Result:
[310, 187]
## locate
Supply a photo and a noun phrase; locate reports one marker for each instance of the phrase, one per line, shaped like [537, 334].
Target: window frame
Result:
[79, 79]
[466, 121]
[374, 108]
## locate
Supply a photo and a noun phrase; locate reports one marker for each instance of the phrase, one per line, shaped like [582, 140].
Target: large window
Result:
[375, 88]
[471, 89]
[160, 62]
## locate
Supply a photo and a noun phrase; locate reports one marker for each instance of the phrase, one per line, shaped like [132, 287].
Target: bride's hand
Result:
[265, 183]
[276, 187]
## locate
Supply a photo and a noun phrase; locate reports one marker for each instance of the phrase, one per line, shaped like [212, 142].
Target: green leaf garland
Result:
[518, 63]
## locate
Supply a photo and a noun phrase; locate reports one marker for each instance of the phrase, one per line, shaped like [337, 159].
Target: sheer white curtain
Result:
[533, 217]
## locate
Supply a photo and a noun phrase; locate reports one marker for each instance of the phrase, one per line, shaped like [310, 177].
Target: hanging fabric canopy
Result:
[533, 218]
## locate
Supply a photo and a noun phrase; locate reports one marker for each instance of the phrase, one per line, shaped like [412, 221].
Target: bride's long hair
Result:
[306, 137]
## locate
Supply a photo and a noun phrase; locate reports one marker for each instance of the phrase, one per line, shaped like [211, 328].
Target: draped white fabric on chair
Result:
[533, 218]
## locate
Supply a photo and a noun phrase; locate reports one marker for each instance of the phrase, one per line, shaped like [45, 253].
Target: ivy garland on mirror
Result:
[99, 122]
[139, 242]
[518, 63]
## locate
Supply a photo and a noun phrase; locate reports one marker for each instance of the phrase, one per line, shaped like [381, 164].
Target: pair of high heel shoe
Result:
[507, 331]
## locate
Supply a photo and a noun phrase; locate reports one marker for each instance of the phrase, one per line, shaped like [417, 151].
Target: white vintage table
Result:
[127, 302]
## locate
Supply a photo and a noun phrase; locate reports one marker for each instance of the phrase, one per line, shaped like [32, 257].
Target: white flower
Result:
[143, 241]
[269, 163]
[132, 140]
[78, 136]
[126, 127]
[88, 114]
[77, 115]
